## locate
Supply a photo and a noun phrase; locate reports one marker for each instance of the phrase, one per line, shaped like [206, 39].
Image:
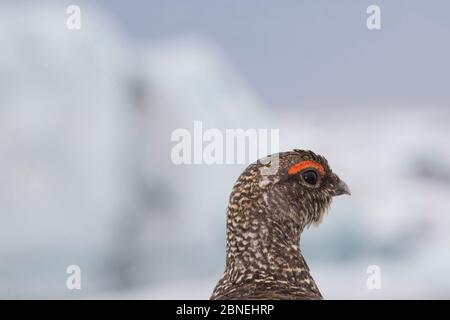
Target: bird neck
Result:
[265, 252]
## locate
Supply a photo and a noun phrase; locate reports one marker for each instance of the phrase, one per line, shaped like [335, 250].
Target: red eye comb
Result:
[300, 166]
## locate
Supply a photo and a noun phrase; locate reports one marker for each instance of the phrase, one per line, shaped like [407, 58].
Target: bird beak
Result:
[341, 188]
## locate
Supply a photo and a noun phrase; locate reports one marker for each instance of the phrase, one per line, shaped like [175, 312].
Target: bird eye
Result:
[310, 176]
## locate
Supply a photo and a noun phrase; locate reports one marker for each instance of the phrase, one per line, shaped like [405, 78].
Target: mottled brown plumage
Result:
[265, 217]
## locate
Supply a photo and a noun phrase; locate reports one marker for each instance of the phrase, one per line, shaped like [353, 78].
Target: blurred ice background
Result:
[86, 117]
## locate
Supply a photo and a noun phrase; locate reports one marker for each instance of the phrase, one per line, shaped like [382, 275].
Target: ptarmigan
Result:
[265, 217]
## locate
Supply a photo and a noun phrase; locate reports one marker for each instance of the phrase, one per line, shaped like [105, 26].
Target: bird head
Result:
[299, 192]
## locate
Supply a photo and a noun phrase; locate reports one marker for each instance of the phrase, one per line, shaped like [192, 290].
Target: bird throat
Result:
[264, 258]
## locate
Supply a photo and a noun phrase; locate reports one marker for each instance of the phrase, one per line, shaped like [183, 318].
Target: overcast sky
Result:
[300, 53]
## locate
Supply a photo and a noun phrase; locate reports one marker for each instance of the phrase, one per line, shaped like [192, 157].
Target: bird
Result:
[266, 214]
